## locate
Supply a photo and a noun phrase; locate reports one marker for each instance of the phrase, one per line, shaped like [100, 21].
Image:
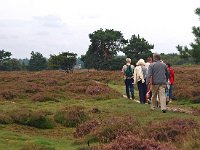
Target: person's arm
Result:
[123, 71]
[141, 74]
[149, 74]
[135, 75]
[172, 74]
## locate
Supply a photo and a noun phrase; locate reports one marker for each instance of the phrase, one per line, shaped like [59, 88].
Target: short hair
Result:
[168, 64]
[156, 56]
[128, 60]
[149, 59]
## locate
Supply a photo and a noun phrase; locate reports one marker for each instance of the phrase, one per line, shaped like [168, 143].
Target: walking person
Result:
[128, 71]
[140, 80]
[149, 92]
[171, 82]
[159, 74]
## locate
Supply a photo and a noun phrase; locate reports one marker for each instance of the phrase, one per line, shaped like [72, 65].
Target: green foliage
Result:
[8, 64]
[38, 119]
[114, 63]
[37, 62]
[104, 46]
[65, 61]
[175, 59]
[138, 48]
[194, 52]
[4, 56]
[12, 65]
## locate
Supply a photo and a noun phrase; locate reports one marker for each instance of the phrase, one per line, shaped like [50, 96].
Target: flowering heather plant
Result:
[186, 84]
[98, 89]
[132, 142]
[43, 97]
[85, 128]
[79, 85]
[8, 94]
[113, 127]
[71, 116]
[172, 129]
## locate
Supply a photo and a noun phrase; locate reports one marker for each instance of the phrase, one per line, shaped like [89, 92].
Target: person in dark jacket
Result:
[157, 72]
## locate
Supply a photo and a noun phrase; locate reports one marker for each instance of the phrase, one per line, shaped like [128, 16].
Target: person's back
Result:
[158, 71]
[128, 71]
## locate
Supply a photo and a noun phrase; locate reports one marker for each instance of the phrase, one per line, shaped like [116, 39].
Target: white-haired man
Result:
[128, 71]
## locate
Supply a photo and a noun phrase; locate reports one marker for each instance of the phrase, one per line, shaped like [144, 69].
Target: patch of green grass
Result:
[61, 138]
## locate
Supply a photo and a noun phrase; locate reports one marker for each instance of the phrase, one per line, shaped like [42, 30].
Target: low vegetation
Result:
[54, 110]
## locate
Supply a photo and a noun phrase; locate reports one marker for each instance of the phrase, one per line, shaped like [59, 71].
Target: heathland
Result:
[54, 110]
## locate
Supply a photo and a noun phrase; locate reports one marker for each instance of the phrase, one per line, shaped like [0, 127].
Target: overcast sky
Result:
[53, 26]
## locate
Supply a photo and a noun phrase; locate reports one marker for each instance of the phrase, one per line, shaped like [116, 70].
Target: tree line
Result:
[37, 62]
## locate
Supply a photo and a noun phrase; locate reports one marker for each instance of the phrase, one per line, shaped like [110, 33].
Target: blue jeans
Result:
[171, 88]
[129, 88]
[142, 88]
[169, 92]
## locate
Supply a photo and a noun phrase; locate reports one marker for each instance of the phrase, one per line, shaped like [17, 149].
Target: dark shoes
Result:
[164, 111]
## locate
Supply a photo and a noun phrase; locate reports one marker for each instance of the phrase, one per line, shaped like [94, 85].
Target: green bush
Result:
[38, 119]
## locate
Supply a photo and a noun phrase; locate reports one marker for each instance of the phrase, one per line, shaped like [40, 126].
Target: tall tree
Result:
[194, 52]
[65, 61]
[138, 48]
[37, 62]
[104, 46]
[4, 58]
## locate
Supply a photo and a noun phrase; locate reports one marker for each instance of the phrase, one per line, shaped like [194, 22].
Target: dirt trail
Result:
[176, 108]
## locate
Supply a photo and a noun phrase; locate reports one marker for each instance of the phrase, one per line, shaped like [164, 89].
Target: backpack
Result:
[129, 71]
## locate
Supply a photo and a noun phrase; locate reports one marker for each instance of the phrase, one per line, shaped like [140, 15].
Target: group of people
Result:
[154, 79]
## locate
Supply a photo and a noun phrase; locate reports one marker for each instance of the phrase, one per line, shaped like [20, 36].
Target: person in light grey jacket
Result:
[157, 72]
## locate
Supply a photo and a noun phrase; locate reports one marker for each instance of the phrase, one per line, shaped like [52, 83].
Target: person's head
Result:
[156, 56]
[140, 62]
[128, 60]
[149, 59]
[168, 64]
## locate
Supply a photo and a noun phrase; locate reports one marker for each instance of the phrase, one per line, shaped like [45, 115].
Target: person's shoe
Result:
[167, 102]
[164, 111]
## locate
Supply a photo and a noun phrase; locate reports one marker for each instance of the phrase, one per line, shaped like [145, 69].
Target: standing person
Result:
[171, 82]
[149, 61]
[159, 74]
[139, 79]
[128, 71]
[149, 92]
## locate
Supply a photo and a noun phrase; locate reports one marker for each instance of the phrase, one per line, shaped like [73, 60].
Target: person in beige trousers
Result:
[157, 72]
